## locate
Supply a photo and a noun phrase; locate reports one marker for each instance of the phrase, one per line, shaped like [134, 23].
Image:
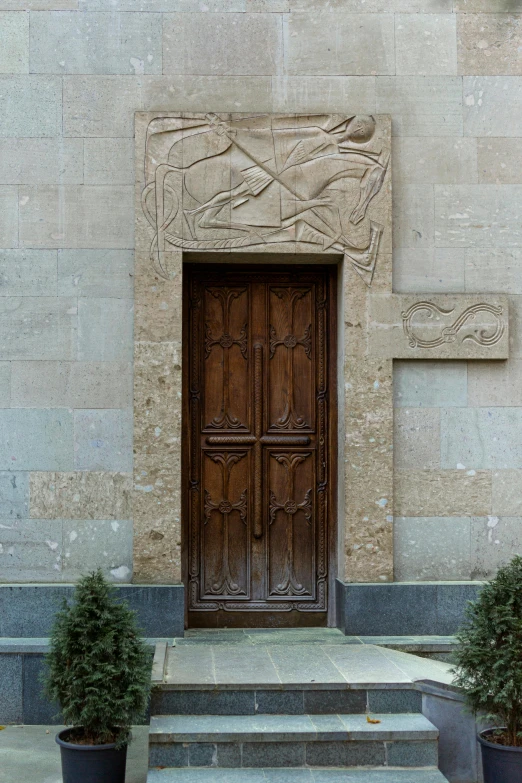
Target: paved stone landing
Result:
[325, 659]
[271, 775]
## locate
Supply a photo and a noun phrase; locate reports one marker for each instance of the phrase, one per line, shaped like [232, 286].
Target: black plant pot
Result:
[91, 763]
[500, 763]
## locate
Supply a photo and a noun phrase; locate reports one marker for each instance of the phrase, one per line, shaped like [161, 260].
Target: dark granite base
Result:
[28, 610]
[21, 691]
[403, 609]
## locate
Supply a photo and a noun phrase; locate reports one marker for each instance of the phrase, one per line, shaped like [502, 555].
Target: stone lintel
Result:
[445, 326]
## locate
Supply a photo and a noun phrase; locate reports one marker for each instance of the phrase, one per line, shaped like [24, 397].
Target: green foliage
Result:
[489, 658]
[98, 668]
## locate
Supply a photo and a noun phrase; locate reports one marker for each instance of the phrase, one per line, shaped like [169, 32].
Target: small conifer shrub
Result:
[489, 657]
[98, 667]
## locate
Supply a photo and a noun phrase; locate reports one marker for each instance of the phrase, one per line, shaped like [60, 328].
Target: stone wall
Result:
[72, 74]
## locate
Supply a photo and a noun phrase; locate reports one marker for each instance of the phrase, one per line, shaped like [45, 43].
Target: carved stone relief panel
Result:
[264, 184]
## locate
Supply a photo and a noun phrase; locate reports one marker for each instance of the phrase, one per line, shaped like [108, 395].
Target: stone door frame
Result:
[375, 326]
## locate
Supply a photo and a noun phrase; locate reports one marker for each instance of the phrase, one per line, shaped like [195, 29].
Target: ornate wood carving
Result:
[290, 419]
[289, 584]
[258, 426]
[257, 500]
[226, 296]
[224, 583]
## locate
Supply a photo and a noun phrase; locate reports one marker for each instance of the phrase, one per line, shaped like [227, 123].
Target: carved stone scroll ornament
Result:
[219, 185]
[482, 335]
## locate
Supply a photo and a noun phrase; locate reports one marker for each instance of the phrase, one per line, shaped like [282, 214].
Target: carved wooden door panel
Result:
[258, 445]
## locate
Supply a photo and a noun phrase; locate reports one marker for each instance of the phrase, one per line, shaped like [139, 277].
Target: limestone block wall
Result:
[72, 74]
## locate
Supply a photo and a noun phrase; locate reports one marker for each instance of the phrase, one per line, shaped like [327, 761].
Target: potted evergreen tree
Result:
[99, 670]
[489, 671]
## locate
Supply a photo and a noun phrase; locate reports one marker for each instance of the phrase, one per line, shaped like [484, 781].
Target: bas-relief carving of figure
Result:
[261, 180]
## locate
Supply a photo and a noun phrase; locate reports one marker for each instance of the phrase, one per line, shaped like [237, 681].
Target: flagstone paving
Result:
[326, 659]
[29, 754]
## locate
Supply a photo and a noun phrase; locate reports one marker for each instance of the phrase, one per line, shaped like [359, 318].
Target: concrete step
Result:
[340, 740]
[167, 699]
[281, 775]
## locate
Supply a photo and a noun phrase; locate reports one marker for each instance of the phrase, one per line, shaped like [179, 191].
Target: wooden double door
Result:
[259, 444]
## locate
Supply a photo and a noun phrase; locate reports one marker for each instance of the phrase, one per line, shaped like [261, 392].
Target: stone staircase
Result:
[246, 728]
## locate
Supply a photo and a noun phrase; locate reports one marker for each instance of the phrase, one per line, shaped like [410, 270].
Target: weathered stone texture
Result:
[430, 384]
[88, 544]
[515, 343]
[36, 439]
[157, 395]
[31, 550]
[493, 269]
[5, 384]
[100, 105]
[216, 93]
[469, 215]
[39, 5]
[30, 106]
[157, 520]
[416, 439]
[96, 274]
[432, 548]
[492, 105]
[375, 6]
[68, 42]
[494, 541]
[481, 438]
[499, 161]
[109, 161]
[27, 273]
[201, 43]
[43, 384]
[495, 384]
[425, 44]
[38, 327]
[80, 495]
[507, 493]
[158, 302]
[442, 161]
[324, 93]
[437, 270]
[421, 105]
[413, 216]
[14, 494]
[103, 440]
[312, 44]
[105, 330]
[165, 6]
[8, 216]
[88, 216]
[442, 493]
[41, 161]
[14, 42]
[368, 472]
[489, 43]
